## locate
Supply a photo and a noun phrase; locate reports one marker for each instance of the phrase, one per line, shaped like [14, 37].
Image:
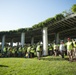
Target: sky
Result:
[16, 14]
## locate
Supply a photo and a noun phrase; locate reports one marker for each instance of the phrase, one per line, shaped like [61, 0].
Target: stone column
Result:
[22, 39]
[11, 44]
[3, 41]
[45, 41]
[32, 40]
[57, 38]
[17, 43]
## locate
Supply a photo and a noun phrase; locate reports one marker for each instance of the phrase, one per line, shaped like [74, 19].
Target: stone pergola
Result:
[59, 30]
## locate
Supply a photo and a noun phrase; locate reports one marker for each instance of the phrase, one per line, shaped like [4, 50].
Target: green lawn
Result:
[46, 66]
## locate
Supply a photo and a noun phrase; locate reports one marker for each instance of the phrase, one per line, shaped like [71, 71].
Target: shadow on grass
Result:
[3, 66]
[54, 59]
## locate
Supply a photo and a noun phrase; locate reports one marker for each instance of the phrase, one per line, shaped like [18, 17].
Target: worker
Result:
[62, 49]
[74, 47]
[28, 50]
[38, 50]
[70, 49]
[50, 50]
[32, 52]
[4, 52]
[55, 47]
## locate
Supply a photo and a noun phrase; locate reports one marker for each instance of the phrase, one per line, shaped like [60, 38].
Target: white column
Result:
[11, 43]
[57, 38]
[32, 40]
[17, 43]
[3, 41]
[45, 41]
[22, 39]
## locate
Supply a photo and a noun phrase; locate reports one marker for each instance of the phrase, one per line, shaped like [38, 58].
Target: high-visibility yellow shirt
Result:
[75, 45]
[32, 50]
[69, 46]
[28, 49]
[55, 46]
[38, 48]
[13, 51]
[4, 49]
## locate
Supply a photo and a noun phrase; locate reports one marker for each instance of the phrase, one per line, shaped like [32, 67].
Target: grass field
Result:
[46, 66]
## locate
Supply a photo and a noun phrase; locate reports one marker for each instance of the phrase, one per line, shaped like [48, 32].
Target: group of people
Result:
[30, 51]
[27, 51]
[68, 48]
[18, 51]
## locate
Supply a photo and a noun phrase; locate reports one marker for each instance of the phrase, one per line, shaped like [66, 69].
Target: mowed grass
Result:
[46, 66]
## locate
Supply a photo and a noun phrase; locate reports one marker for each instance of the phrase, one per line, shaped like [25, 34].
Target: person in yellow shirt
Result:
[70, 51]
[4, 52]
[28, 50]
[55, 48]
[38, 50]
[74, 47]
[50, 50]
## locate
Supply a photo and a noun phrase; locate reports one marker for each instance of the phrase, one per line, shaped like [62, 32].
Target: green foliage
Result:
[53, 20]
[59, 17]
[44, 23]
[39, 25]
[22, 30]
[49, 20]
[28, 29]
[46, 66]
[35, 26]
[74, 8]
[4, 33]
[12, 31]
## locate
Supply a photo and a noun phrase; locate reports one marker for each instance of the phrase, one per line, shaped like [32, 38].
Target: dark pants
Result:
[28, 54]
[50, 52]
[62, 53]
